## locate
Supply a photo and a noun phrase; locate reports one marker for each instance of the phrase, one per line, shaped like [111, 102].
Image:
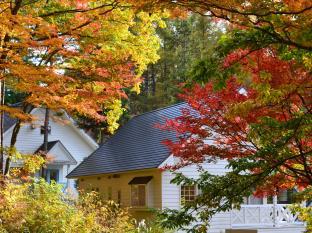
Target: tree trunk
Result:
[153, 80]
[27, 109]
[146, 82]
[1, 126]
[12, 144]
[6, 39]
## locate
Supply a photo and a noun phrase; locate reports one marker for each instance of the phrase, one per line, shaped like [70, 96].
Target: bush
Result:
[38, 207]
[304, 212]
[150, 227]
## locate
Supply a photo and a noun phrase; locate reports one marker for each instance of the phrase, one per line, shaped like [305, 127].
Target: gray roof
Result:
[51, 144]
[137, 145]
[8, 122]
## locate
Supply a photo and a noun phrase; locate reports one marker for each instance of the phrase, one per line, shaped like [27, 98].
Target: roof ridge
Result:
[159, 109]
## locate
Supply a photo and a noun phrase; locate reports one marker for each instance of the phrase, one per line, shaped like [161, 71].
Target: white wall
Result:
[171, 192]
[29, 139]
[221, 221]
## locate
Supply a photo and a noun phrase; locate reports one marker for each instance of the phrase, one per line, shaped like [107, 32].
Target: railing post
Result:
[274, 211]
[231, 217]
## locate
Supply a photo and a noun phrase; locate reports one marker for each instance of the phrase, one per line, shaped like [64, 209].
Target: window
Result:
[188, 193]
[139, 190]
[76, 184]
[253, 200]
[52, 174]
[138, 195]
[285, 197]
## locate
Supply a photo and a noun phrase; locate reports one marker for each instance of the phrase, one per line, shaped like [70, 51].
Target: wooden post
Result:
[46, 131]
[45, 138]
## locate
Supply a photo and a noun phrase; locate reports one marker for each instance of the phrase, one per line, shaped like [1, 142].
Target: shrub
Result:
[151, 227]
[38, 207]
[304, 212]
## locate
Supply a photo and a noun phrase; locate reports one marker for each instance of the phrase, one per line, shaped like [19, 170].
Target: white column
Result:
[275, 211]
[67, 180]
[245, 215]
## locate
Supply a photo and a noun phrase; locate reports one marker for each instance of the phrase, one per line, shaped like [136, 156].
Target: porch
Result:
[266, 218]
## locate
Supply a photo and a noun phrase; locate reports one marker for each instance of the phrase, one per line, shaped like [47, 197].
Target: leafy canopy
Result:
[75, 55]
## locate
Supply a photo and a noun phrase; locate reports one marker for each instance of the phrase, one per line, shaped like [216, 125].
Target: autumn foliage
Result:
[78, 56]
[75, 55]
[287, 22]
[261, 123]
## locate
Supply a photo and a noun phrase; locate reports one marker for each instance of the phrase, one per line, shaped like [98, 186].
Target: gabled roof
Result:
[69, 159]
[8, 122]
[137, 145]
[51, 144]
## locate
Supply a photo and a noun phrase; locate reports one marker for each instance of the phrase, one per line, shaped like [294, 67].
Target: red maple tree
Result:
[260, 122]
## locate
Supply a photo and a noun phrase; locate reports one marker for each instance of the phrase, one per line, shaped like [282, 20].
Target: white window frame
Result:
[180, 193]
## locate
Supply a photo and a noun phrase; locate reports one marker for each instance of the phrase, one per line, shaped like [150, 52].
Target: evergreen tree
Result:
[183, 43]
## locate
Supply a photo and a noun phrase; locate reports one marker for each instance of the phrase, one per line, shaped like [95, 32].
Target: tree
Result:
[74, 55]
[283, 22]
[256, 107]
[260, 122]
[183, 43]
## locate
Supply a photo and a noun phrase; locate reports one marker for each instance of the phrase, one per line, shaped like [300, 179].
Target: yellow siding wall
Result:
[104, 183]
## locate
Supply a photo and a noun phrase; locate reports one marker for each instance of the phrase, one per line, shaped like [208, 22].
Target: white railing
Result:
[271, 215]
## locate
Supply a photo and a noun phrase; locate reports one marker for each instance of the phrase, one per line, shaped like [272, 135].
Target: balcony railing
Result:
[267, 215]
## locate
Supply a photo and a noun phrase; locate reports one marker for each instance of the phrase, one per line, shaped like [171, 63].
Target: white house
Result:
[127, 170]
[67, 144]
